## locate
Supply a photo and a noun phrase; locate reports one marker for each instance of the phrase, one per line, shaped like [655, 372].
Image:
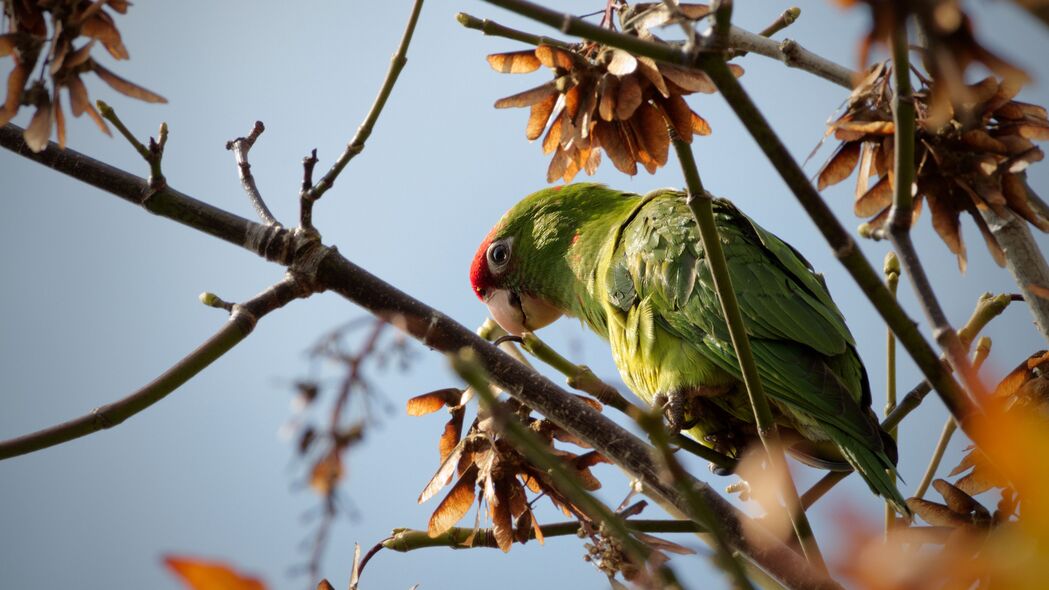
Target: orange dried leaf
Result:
[38, 131]
[443, 475]
[539, 116]
[945, 222]
[453, 431]
[456, 504]
[198, 574]
[558, 165]
[554, 57]
[125, 87]
[430, 402]
[553, 135]
[653, 131]
[699, 125]
[528, 97]
[935, 514]
[515, 62]
[840, 165]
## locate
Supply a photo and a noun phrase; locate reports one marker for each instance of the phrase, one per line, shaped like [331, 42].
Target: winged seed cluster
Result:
[75, 27]
[603, 98]
[973, 159]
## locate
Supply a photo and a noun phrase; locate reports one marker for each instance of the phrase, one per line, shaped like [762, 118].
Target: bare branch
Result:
[356, 144]
[240, 148]
[241, 322]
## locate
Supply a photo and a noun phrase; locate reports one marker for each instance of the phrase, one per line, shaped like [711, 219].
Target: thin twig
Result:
[899, 224]
[356, 145]
[891, 269]
[700, 202]
[495, 29]
[152, 154]
[983, 348]
[786, 19]
[241, 322]
[240, 148]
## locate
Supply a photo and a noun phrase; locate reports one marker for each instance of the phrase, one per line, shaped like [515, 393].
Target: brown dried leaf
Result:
[523, 527]
[1015, 191]
[453, 431]
[680, 116]
[455, 505]
[553, 135]
[852, 130]
[429, 403]
[652, 128]
[125, 87]
[979, 139]
[689, 80]
[1031, 130]
[877, 198]
[945, 222]
[528, 97]
[502, 522]
[554, 57]
[444, 474]
[607, 89]
[647, 67]
[611, 139]
[515, 62]
[629, 97]
[956, 500]
[326, 473]
[101, 27]
[840, 165]
[198, 574]
[8, 42]
[1020, 110]
[558, 165]
[935, 514]
[699, 125]
[539, 116]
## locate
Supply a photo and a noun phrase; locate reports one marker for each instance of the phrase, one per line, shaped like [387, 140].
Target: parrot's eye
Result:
[498, 255]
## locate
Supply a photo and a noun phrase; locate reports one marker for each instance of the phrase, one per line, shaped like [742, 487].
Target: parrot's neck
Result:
[575, 285]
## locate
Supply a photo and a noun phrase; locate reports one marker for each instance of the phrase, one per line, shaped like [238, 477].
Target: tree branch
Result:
[240, 148]
[356, 144]
[241, 322]
[332, 271]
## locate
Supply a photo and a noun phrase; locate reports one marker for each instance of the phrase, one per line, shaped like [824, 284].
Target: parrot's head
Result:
[509, 268]
[534, 265]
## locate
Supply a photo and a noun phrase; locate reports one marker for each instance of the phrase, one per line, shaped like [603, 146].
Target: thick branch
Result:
[241, 322]
[433, 328]
[1025, 261]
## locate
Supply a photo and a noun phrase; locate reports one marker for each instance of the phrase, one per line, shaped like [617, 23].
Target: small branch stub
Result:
[240, 148]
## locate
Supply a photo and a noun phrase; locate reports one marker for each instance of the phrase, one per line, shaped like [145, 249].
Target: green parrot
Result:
[632, 268]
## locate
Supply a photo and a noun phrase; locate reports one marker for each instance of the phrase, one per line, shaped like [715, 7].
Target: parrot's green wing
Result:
[804, 351]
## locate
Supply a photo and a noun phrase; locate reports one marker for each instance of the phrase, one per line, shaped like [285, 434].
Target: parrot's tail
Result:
[874, 466]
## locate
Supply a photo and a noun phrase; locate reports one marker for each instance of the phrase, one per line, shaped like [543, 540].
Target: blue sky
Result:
[102, 296]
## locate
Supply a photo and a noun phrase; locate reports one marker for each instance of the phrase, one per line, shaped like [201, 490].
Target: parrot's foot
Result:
[727, 442]
[673, 406]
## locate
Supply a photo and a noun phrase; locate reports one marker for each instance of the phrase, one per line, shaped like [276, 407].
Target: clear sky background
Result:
[99, 297]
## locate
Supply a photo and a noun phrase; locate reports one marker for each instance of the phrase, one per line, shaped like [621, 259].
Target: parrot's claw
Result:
[673, 406]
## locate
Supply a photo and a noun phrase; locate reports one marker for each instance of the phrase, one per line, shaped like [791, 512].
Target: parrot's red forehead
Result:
[480, 277]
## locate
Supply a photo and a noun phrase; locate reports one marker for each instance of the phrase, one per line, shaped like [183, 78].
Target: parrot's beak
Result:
[519, 313]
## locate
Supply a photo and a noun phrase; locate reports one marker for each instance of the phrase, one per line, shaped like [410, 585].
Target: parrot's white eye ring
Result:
[498, 255]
